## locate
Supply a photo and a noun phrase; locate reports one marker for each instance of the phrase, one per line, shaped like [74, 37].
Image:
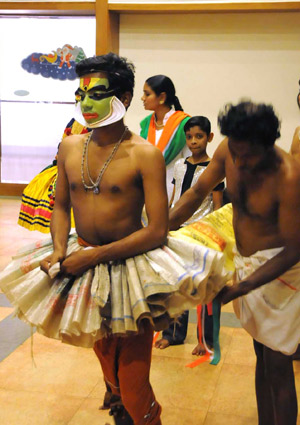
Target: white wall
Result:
[217, 58]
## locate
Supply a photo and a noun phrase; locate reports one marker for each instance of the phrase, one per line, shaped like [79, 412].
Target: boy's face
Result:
[196, 140]
[95, 97]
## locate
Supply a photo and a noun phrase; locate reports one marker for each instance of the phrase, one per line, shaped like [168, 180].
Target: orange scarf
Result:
[169, 128]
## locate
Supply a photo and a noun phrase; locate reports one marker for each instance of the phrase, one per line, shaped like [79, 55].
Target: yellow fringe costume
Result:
[39, 195]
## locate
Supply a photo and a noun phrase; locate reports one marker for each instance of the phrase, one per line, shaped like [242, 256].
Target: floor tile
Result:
[89, 414]
[171, 380]
[13, 333]
[296, 364]
[240, 351]
[32, 408]
[60, 368]
[235, 392]
[227, 308]
[4, 312]
[221, 419]
[182, 416]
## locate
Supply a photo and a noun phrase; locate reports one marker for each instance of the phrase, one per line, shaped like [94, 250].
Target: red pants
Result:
[125, 363]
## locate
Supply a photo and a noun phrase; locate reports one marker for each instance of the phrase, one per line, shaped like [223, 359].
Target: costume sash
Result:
[169, 144]
[82, 242]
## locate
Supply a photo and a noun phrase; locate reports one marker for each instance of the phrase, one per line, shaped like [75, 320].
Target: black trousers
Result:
[176, 333]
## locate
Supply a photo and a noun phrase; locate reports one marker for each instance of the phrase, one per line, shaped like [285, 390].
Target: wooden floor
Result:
[66, 385]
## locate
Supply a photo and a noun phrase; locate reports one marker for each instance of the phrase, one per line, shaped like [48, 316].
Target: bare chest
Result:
[253, 197]
[98, 173]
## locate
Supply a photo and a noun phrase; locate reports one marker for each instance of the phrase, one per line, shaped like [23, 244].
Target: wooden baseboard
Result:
[221, 7]
[11, 189]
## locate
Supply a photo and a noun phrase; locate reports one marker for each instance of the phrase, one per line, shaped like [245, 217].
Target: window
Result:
[34, 109]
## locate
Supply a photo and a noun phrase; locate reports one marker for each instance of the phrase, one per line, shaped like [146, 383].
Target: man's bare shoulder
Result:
[144, 148]
[138, 139]
[297, 132]
[289, 170]
[297, 129]
[295, 146]
[222, 149]
[70, 142]
[74, 139]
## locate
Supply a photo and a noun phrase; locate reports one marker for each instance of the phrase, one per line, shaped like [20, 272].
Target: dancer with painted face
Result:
[112, 283]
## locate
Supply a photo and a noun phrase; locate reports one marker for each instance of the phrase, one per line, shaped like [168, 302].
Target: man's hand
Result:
[47, 262]
[230, 293]
[78, 262]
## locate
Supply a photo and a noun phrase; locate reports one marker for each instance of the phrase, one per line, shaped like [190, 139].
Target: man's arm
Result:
[190, 201]
[295, 146]
[289, 229]
[60, 220]
[172, 197]
[153, 172]
[217, 199]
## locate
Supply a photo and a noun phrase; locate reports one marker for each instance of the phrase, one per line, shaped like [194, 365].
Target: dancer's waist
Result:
[82, 242]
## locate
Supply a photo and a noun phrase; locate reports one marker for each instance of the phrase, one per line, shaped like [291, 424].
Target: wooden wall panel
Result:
[11, 189]
[107, 29]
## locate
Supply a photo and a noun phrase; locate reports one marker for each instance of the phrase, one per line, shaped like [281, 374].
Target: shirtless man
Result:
[263, 183]
[107, 179]
[295, 152]
[295, 146]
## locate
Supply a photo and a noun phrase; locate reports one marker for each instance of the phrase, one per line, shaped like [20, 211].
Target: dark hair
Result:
[120, 72]
[298, 97]
[163, 84]
[250, 122]
[198, 121]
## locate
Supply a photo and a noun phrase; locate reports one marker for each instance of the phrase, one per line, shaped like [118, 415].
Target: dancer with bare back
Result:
[263, 182]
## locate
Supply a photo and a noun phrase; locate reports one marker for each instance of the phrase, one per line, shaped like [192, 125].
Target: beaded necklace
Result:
[158, 125]
[95, 185]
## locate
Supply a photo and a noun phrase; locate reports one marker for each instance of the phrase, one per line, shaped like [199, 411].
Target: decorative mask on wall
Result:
[60, 64]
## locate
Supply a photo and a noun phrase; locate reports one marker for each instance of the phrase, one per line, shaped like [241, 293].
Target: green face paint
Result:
[95, 99]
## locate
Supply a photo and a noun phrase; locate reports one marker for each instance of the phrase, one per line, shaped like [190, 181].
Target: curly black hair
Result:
[250, 122]
[120, 72]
